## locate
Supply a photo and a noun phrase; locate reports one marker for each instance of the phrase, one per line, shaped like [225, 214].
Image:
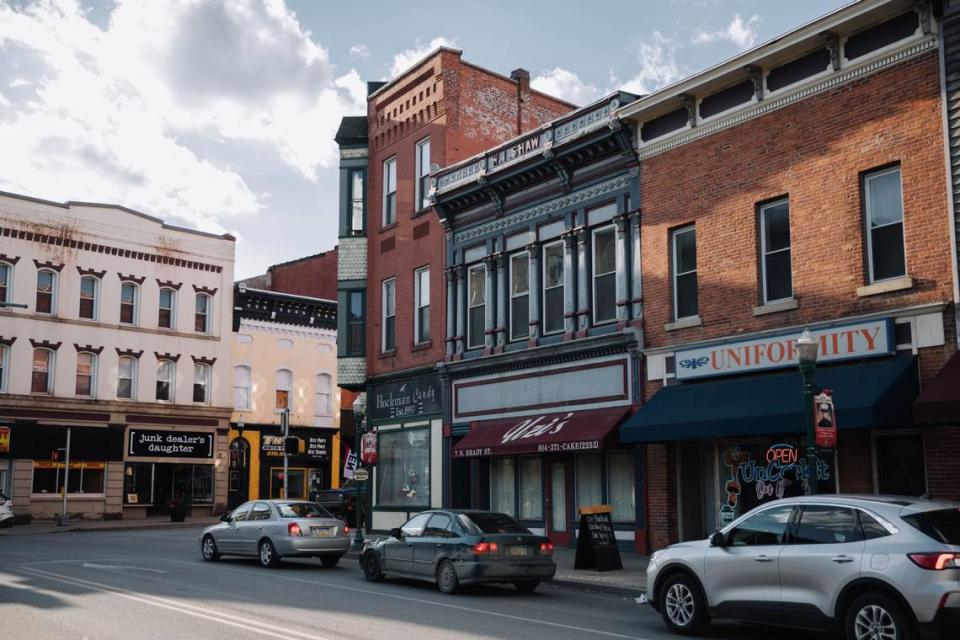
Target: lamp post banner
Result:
[825, 419]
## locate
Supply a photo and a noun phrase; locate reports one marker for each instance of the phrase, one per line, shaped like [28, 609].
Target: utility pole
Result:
[66, 477]
[285, 425]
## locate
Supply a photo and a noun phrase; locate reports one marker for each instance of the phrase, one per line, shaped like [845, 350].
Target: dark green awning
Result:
[875, 393]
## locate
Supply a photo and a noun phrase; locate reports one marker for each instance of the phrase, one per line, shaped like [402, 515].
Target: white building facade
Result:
[116, 328]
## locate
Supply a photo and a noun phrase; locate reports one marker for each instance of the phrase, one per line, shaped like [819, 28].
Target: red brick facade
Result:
[464, 110]
[314, 276]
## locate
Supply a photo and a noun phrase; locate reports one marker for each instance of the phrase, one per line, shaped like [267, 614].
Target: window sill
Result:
[421, 212]
[776, 307]
[422, 346]
[388, 354]
[388, 227]
[683, 323]
[886, 286]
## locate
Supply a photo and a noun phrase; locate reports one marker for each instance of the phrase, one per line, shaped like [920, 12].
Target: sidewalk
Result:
[50, 526]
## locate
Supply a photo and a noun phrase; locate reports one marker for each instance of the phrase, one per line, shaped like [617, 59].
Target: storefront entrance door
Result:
[558, 529]
[171, 481]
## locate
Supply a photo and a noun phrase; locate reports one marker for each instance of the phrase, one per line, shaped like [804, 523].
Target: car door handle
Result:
[439, 545]
[842, 559]
[763, 558]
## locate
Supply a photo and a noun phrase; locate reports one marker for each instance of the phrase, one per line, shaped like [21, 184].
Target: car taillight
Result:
[935, 561]
[346, 529]
[484, 547]
[293, 529]
[546, 548]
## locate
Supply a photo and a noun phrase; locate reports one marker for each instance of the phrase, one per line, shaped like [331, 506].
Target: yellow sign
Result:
[4, 439]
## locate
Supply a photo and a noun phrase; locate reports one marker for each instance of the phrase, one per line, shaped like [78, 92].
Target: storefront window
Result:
[202, 483]
[296, 483]
[138, 483]
[589, 479]
[900, 465]
[531, 489]
[84, 477]
[403, 472]
[502, 489]
[620, 493]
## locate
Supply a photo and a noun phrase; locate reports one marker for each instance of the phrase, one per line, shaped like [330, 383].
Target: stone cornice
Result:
[281, 329]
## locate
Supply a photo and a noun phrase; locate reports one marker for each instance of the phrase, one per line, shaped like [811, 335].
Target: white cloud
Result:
[406, 58]
[742, 34]
[566, 85]
[659, 67]
[112, 105]
[360, 51]
[18, 82]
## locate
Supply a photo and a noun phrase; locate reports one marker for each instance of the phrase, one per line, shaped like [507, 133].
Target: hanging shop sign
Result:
[825, 419]
[368, 448]
[844, 342]
[4, 439]
[408, 398]
[169, 444]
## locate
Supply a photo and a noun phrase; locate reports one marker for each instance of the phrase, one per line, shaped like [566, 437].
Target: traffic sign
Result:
[361, 475]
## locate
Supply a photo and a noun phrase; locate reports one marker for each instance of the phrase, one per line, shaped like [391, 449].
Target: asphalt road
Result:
[135, 585]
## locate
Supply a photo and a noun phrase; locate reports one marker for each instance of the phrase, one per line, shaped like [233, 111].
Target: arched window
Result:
[201, 382]
[167, 313]
[41, 380]
[129, 297]
[323, 406]
[284, 386]
[4, 367]
[6, 282]
[89, 288]
[166, 375]
[86, 374]
[46, 291]
[127, 378]
[201, 319]
[241, 387]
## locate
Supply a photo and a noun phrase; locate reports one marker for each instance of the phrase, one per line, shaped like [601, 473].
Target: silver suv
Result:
[872, 567]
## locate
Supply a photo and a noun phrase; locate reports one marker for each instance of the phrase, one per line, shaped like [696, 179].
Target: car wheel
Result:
[208, 547]
[447, 580]
[329, 561]
[268, 554]
[877, 616]
[371, 567]
[683, 606]
[527, 586]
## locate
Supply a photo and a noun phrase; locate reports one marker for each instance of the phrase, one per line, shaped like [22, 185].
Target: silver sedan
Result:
[275, 529]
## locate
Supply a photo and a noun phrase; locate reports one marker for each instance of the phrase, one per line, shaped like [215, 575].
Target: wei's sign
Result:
[861, 340]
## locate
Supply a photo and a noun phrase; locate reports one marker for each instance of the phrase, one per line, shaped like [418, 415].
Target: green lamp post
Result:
[807, 349]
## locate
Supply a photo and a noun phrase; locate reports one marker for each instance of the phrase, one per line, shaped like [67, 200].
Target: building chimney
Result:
[522, 77]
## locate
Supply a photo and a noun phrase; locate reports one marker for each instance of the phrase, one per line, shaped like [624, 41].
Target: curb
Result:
[593, 587]
[89, 528]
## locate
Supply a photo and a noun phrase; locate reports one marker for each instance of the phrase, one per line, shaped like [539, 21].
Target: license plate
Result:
[321, 532]
[519, 551]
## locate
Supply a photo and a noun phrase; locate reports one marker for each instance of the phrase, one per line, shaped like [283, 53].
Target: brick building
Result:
[799, 185]
[440, 111]
[314, 276]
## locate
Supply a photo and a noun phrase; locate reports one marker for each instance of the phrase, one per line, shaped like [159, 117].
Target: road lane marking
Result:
[230, 620]
[445, 605]
[117, 567]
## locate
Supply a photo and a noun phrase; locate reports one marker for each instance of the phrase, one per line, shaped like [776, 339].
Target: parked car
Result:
[455, 548]
[275, 529]
[872, 567]
[341, 502]
[6, 511]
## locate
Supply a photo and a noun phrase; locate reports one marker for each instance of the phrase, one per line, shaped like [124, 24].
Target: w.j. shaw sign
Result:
[843, 342]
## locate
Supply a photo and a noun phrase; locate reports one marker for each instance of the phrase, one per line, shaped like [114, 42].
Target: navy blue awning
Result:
[875, 393]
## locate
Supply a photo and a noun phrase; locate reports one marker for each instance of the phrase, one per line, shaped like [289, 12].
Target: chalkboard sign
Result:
[596, 542]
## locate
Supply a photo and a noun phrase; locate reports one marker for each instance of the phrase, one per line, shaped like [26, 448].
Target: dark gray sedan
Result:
[454, 548]
[275, 529]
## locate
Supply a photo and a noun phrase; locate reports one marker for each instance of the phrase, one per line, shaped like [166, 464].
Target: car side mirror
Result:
[225, 518]
[718, 540]
[397, 533]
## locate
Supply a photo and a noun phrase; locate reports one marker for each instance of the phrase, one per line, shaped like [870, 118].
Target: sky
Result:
[220, 114]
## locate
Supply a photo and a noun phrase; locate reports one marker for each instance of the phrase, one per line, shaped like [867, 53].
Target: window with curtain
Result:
[42, 375]
[476, 305]
[88, 297]
[589, 479]
[128, 303]
[519, 296]
[553, 287]
[531, 489]
[403, 468]
[502, 485]
[166, 313]
[86, 367]
[166, 370]
[126, 377]
[620, 492]
[284, 386]
[241, 387]
[201, 382]
[324, 387]
[46, 291]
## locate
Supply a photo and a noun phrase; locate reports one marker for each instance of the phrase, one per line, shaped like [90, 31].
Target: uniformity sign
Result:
[169, 444]
[407, 399]
[842, 342]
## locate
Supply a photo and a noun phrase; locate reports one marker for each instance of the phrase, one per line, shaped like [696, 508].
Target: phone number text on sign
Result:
[560, 447]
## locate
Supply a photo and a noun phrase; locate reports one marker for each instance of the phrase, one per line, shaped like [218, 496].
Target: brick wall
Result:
[661, 495]
[314, 276]
[941, 452]
[855, 461]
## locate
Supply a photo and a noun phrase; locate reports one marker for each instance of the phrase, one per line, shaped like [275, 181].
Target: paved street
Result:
[153, 584]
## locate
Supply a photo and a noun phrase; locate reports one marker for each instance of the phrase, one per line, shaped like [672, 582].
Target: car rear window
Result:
[943, 525]
[493, 523]
[303, 510]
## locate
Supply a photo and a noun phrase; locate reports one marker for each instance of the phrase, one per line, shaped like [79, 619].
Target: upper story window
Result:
[553, 287]
[167, 312]
[6, 282]
[166, 380]
[422, 196]
[356, 323]
[86, 374]
[389, 191]
[519, 295]
[604, 275]
[4, 367]
[42, 376]
[201, 382]
[241, 387]
[126, 378]
[884, 218]
[46, 291]
[201, 318]
[389, 304]
[89, 287]
[323, 406]
[357, 209]
[476, 305]
[684, 272]
[284, 386]
[421, 317]
[775, 266]
[129, 294]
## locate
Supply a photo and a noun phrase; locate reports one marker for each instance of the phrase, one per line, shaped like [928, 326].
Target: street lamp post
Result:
[807, 348]
[285, 426]
[359, 416]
